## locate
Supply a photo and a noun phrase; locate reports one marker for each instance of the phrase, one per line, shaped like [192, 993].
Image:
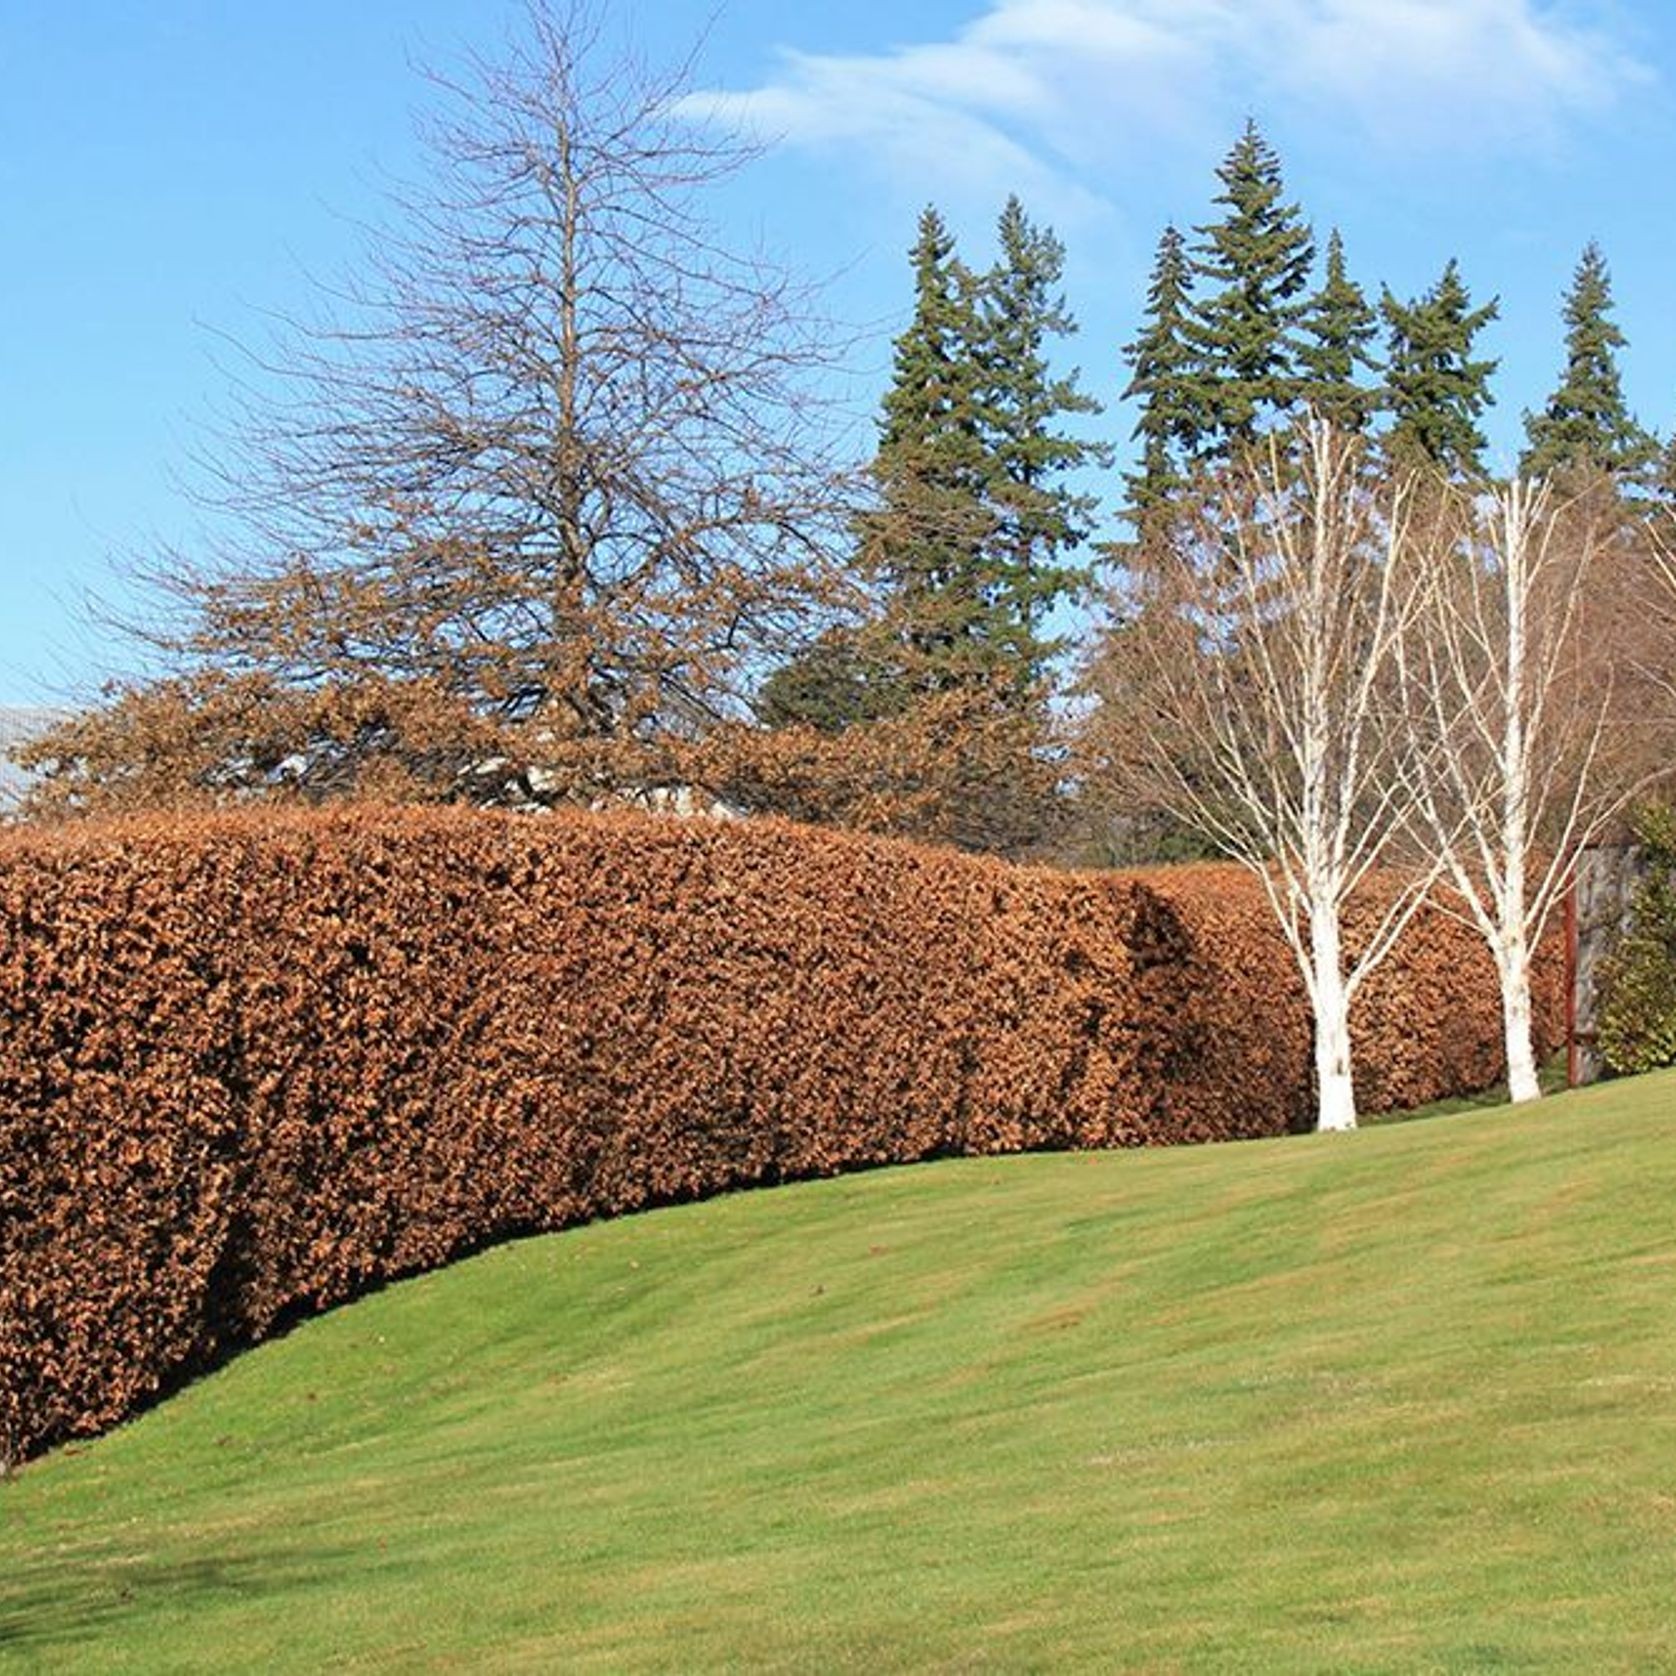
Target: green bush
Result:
[1638, 981]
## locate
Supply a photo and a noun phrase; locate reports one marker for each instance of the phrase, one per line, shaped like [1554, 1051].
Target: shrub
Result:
[252, 1065]
[1638, 980]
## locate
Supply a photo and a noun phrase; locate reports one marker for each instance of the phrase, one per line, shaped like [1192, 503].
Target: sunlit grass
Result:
[1402, 1400]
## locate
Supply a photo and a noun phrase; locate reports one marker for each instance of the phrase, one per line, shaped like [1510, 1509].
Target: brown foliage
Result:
[552, 446]
[207, 740]
[252, 1064]
[955, 767]
[962, 767]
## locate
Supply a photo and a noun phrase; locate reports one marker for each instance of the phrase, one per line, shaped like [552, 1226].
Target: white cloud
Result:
[963, 121]
[1497, 72]
[1046, 96]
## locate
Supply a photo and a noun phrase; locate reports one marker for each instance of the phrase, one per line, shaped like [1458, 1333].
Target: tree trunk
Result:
[1334, 1088]
[1522, 1082]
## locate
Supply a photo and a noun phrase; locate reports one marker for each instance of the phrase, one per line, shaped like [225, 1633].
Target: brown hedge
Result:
[251, 1066]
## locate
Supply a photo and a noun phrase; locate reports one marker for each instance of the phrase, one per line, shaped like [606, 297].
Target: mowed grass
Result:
[1403, 1400]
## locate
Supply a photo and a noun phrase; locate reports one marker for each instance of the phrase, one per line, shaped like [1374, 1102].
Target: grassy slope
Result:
[1399, 1401]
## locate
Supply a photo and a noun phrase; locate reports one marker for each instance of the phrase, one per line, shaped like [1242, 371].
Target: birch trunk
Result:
[1330, 997]
[1510, 945]
[1515, 972]
[1517, 773]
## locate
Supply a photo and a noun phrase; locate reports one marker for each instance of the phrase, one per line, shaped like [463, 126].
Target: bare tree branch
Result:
[555, 454]
[1512, 704]
[1261, 666]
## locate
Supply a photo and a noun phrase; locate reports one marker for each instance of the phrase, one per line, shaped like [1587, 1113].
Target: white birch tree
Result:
[1512, 704]
[1656, 660]
[1261, 669]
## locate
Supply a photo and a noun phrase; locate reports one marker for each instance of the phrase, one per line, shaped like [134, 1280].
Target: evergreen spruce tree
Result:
[838, 682]
[1435, 390]
[1040, 519]
[968, 545]
[1255, 263]
[942, 692]
[1165, 378]
[924, 546]
[1585, 424]
[1338, 325]
[922, 542]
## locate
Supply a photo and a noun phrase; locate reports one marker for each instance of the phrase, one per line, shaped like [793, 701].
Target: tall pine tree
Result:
[1255, 263]
[1435, 390]
[925, 545]
[1040, 519]
[1585, 424]
[942, 693]
[970, 541]
[924, 537]
[1338, 325]
[1165, 379]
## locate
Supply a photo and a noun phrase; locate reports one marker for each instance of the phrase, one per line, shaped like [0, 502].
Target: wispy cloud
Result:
[1048, 96]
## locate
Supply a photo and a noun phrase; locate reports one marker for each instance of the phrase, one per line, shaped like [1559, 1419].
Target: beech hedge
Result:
[252, 1065]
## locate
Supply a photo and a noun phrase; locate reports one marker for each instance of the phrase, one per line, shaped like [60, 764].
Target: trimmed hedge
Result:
[253, 1065]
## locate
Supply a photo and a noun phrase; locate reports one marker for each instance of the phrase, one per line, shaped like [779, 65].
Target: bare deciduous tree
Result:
[1511, 695]
[553, 458]
[1259, 678]
[1655, 665]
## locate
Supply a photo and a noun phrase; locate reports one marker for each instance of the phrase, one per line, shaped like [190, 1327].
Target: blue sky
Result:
[174, 171]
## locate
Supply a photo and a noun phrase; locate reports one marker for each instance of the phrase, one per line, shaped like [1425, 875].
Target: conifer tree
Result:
[1255, 261]
[921, 542]
[1040, 520]
[1435, 390]
[1338, 326]
[1165, 379]
[837, 682]
[969, 544]
[923, 546]
[940, 694]
[1585, 423]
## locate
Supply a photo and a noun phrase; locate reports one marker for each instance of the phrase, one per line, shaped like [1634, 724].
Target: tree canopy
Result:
[1254, 264]
[1339, 327]
[1436, 390]
[552, 466]
[1586, 425]
[1174, 417]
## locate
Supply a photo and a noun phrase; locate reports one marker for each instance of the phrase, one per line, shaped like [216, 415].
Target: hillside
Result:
[1395, 1401]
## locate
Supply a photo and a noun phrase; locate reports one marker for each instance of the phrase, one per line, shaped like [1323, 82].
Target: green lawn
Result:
[1403, 1400]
